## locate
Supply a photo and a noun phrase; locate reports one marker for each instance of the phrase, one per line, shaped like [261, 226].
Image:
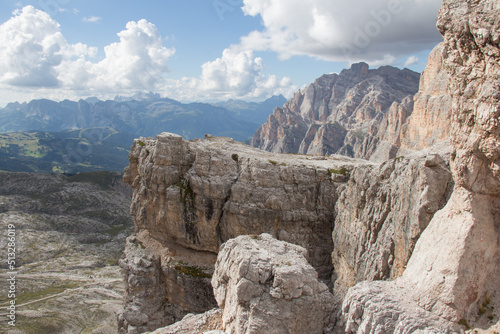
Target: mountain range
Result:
[143, 115]
[45, 136]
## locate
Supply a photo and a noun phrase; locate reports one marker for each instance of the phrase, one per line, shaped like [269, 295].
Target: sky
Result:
[201, 50]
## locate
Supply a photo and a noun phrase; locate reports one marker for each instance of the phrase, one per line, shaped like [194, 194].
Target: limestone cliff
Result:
[358, 113]
[430, 121]
[380, 214]
[453, 274]
[190, 197]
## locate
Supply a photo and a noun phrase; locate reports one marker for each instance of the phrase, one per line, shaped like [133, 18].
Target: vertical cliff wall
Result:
[453, 275]
[190, 197]
[430, 120]
[381, 213]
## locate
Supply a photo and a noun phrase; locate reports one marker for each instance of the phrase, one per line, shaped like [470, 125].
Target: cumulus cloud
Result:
[237, 74]
[92, 19]
[376, 31]
[138, 61]
[33, 52]
[30, 49]
[412, 60]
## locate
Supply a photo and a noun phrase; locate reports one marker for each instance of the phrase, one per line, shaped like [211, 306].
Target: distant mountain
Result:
[88, 150]
[358, 113]
[140, 115]
[251, 111]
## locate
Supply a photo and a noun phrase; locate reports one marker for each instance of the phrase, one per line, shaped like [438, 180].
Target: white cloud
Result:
[412, 60]
[92, 19]
[237, 74]
[137, 62]
[36, 60]
[30, 49]
[338, 30]
[34, 53]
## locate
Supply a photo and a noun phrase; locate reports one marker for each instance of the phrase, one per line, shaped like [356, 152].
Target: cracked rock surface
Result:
[265, 285]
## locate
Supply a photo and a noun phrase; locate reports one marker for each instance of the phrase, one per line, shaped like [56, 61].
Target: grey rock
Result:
[190, 197]
[454, 266]
[209, 322]
[267, 286]
[359, 113]
[380, 214]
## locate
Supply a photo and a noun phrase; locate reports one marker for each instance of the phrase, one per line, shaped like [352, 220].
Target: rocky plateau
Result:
[70, 233]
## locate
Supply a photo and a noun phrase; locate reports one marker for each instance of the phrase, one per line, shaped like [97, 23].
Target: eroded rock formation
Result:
[190, 197]
[430, 120]
[358, 113]
[267, 286]
[381, 213]
[394, 221]
[454, 270]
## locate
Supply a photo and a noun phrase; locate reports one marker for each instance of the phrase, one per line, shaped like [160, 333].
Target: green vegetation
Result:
[35, 295]
[187, 195]
[464, 323]
[483, 307]
[73, 151]
[141, 143]
[273, 162]
[191, 271]
[342, 171]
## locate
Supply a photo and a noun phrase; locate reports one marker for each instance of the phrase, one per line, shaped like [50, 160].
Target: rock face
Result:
[454, 270]
[393, 221]
[358, 112]
[209, 322]
[381, 212]
[190, 197]
[267, 286]
[430, 121]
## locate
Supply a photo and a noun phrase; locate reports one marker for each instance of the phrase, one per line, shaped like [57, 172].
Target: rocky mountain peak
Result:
[341, 113]
[361, 68]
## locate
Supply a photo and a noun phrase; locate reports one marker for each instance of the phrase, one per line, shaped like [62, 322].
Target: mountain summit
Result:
[357, 113]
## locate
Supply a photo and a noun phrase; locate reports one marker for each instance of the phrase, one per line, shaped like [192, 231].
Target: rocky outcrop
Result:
[190, 197]
[379, 308]
[396, 221]
[430, 120]
[209, 322]
[266, 285]
[262, 285]
[381, 213]
[453, 272]
[359, 113]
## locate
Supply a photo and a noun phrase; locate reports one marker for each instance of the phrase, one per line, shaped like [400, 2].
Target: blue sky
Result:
[201, 50]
